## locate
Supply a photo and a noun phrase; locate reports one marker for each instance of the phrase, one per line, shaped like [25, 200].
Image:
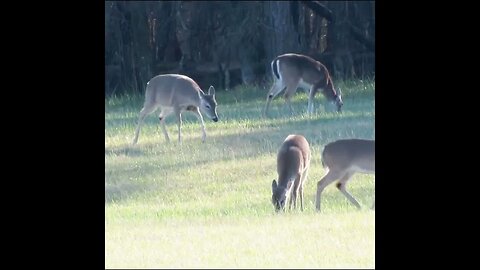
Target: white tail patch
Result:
[278, 70]
[296, 70]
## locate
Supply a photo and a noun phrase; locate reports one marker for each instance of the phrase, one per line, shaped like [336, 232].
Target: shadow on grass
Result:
[116, 193]
[265, 139]
[317, 129]
[247, 145]
[247, 113]
[340, 126]
[125, 183]
[241, 95]
[127, 151]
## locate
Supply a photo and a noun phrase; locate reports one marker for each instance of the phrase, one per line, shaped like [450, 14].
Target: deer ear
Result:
[211, 90]
[274, 185]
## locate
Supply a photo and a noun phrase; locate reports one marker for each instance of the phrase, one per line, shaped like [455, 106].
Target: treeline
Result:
[226, 43]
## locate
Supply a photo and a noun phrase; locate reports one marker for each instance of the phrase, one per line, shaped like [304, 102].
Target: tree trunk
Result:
[184, 33]
[281, 36]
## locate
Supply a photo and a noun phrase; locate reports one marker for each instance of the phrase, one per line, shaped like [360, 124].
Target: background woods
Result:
[226, 43]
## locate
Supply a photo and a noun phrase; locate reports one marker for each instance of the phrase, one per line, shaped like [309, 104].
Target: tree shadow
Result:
[315, 130]
[119, 192]
[268, 135]
[127, 151]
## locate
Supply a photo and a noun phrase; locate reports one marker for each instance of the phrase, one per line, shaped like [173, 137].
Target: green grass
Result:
[194, 205]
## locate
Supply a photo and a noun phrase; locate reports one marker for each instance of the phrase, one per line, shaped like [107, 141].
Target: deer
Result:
[293, 162]
[342, 159]
[291, 71]
[176, 93]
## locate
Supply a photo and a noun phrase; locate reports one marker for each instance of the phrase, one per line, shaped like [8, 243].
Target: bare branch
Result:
[319, 9]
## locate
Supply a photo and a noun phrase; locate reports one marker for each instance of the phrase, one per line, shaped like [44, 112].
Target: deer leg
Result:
[289, 104]
[178, 113]
[341, 185]
[146, 110]
[200, 118]
[290, 200]
[300, 190]
[289, 92]
[322, 184]
[373, 206]
[302, 183]
[295, 192]
[276, 89]
[163, 114]
[293, 196]
[311, 98]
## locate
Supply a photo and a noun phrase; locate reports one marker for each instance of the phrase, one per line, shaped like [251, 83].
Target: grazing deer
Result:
[343, 158]
[293, 162]
[177, 93]
[293, 70]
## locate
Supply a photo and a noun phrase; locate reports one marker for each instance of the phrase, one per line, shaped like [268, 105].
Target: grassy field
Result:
[194, 205]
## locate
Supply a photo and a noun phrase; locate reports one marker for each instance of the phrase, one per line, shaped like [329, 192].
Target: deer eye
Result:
[208, 106]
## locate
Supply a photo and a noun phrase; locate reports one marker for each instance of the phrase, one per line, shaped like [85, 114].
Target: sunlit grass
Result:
[343, 240]
[194, 205]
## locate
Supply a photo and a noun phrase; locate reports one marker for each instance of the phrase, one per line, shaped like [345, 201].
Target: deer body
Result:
[175, 93]
[344, 158]
[293, 162]
[291, 71]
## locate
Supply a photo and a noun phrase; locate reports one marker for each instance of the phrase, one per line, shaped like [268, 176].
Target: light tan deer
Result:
[177, 93]
[291, 71]
[293, 162]
[344, 158]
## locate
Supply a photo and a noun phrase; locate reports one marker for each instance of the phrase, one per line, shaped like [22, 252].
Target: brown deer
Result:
[293, 162]
[342, 159]
[291, 71]
[177, 93]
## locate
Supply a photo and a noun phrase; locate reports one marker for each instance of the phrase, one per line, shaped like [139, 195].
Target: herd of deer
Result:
[342, 158]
